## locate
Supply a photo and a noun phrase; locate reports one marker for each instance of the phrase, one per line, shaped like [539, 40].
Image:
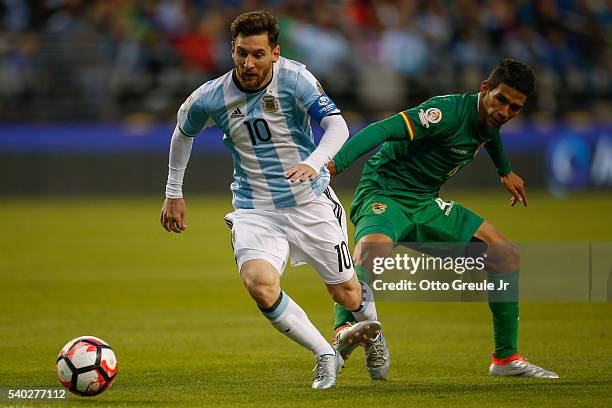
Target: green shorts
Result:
[426, 219]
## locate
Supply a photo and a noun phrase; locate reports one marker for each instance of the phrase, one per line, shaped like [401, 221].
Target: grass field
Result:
[186, 334]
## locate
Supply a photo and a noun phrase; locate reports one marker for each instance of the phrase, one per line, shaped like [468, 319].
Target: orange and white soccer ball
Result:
[86, 366]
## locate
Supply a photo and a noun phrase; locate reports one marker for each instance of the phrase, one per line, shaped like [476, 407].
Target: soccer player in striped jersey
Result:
[283, 204]
[397, 199]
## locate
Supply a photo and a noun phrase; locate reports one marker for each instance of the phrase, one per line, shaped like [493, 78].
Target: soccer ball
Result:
[86, 366]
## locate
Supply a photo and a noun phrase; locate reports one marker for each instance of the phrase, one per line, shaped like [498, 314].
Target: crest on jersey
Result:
[433, 115]
[379, 208]
[269, 103]
[320, 88]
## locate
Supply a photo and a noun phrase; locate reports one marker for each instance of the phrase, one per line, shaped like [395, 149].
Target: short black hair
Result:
[514, 74]
[256, 22]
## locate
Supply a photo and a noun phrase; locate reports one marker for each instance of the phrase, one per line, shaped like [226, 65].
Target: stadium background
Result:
[95, 85]
[88, 97]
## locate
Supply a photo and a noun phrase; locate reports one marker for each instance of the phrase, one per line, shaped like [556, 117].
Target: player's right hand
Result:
[331, 166]
[172, 216]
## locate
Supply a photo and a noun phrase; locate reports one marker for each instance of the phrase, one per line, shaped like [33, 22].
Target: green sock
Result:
[341, 315]
[505, 308]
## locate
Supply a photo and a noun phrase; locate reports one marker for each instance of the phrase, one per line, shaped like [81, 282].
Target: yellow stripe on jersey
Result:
[408, 125]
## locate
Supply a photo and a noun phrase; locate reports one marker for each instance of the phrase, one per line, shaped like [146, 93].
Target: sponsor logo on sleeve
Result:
[320, 88]
[323, 100]
[433, 115]
[321, 106]
[423, 118]
[325, 105]
[328, 108]
[430, 116]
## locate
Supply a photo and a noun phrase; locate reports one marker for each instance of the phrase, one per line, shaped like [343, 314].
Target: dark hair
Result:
[256, 22]
[514, 74]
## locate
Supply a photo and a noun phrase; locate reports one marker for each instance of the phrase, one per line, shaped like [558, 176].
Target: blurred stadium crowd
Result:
[109, 59]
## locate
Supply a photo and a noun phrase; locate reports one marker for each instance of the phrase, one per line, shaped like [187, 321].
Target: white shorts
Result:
[313, 233]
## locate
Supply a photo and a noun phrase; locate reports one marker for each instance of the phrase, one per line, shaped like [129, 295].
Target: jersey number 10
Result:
[259, 131]
[345, 261]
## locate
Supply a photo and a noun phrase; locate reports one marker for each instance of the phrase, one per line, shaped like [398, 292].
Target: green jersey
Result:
[423, 146]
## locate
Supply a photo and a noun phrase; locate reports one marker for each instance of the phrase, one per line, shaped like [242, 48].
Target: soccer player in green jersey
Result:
[397, 199]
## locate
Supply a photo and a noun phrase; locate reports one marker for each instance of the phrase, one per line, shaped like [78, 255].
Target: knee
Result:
[506, 259]
[348, 295]
[371, 247]
[263, 287]
[512, 258]
[264, 296]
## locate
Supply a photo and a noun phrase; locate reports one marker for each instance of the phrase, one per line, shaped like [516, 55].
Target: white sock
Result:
[367, 310]
[289, 319]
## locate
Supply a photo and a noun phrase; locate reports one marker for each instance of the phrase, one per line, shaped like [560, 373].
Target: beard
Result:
[253, 79]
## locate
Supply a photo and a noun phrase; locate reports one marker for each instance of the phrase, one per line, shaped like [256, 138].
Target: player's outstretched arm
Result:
[516, 186]
[513, 183]
[367, 139]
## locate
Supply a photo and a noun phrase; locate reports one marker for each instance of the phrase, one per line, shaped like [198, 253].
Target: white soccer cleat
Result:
[377, 357]
[351, 336]
[328, 367]
[518, 366]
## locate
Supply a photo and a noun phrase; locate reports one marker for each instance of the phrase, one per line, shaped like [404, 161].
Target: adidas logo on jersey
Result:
[236, 114]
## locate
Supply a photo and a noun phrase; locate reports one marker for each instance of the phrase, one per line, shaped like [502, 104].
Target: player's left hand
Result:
[516, 186]
[301, 172]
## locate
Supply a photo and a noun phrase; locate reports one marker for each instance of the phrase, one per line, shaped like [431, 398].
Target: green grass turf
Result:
[186, 333]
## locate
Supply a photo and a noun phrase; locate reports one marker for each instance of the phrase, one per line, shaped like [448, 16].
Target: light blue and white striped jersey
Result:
[267, 131]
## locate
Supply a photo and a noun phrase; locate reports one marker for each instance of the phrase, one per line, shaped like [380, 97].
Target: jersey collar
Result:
[249, 91]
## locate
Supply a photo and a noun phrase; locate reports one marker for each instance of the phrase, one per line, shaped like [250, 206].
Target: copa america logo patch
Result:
[379, 208]
[433, 115]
